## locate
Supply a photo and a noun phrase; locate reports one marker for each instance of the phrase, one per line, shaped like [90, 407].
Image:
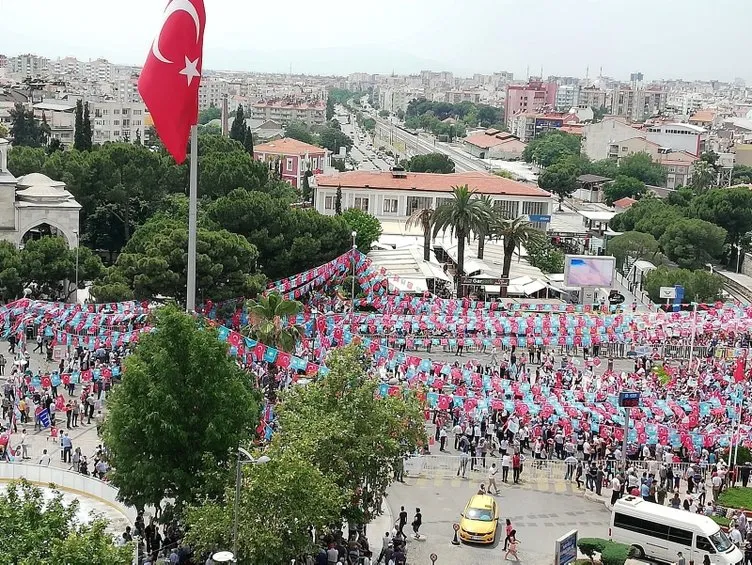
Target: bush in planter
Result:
[736, 497]
[615, 553]
[591, 546]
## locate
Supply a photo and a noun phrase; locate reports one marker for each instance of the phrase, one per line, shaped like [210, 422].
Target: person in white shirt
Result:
[506, 462]
[442, 439]
[615, 490]
[736, 536]
[586, 451]
[45, 460]
[492, 478]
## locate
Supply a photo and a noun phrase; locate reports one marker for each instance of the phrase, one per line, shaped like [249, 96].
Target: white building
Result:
[395, 195]
[28, 65]
[211, 93]
[60, 116]
[117, 121]
[33, 201]
[567, 97]
[679, 137]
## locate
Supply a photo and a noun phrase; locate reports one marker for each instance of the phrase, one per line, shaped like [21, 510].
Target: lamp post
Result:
[352, 288]
[244, 458]
[75, 232]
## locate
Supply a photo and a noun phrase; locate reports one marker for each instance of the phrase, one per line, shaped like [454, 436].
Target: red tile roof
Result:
[483, 140]
[288, 146]
[483, 183]
[625, 202]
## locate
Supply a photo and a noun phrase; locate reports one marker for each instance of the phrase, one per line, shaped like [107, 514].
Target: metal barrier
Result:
[447, 466]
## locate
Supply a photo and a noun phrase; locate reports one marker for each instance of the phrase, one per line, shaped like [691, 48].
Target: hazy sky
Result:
[693, 39]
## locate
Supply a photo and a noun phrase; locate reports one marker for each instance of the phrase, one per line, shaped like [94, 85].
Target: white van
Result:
[659, 532]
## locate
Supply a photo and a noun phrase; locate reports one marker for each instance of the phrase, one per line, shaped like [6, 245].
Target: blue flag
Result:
[44, 418]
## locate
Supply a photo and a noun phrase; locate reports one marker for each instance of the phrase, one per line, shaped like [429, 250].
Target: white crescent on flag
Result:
[175, 6]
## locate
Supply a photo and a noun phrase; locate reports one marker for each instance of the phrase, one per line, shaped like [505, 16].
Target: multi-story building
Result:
[638, 104]
[286, 111]
[567, 97]
[679, 165]
[591, 97]
[60, 116]
[28, 65]
[211, 93]
[294, 158]
[397, 194]
[534, 96]
[679, 137]
[494, 144]
[118, 121]
[3, 61]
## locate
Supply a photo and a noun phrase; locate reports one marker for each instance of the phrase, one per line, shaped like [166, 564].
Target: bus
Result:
[660, 533]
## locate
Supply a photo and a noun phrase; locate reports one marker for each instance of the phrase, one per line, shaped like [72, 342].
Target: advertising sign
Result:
[592, 271]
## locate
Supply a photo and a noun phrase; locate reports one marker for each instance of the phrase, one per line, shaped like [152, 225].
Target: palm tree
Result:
[513, 234]
[266, 316]
[485, 228]
[464, 214]
[423, 218]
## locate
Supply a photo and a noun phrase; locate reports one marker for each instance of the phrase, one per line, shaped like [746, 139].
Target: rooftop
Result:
[288, 146]
[483, 183]
[291, 105]
[702, 116]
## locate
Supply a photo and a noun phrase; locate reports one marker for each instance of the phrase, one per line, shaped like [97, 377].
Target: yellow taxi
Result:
[479, 520]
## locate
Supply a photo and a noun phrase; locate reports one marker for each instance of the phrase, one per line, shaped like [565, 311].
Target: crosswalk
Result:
[553, 486]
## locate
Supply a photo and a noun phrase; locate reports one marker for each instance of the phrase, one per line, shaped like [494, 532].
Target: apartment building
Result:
[637, 104]
[591, 97]
[679, 165]
[531, 97]
[60, 116]
[286, 111]
[295, 158]
[118, 121]
[211, 93]
[28, 65]
[679, 137]
[567, 97]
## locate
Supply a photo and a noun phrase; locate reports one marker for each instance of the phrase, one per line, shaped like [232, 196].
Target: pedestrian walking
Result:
[402, 521]
[507, 530]
[417, 522]
[512, 546]
[506, 461]
[492, 478]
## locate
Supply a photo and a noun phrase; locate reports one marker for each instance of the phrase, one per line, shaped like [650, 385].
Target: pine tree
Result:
[45, 132]
[305, 188]
[87, 132]
[248, 140]
[137, 141]
[329, 108]
[78, 135]
[237, 131]
[338, 201]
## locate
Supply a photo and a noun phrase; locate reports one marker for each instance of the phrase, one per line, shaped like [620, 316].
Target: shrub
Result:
[615, 553]
[591, 546]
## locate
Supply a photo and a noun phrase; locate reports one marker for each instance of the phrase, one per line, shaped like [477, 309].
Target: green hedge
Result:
[721, 520]
[612, 553]
[737, 497]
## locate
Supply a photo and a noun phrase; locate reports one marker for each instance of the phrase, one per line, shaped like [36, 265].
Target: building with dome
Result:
[35, 205]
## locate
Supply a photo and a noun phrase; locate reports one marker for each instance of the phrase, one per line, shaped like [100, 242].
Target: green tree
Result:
[542, 254]
[649, 215]
[333, 139]
[599, 113]
[287, 495]
[299, 130]
[288, 239]
[179, 416]
[111, 287]
[604, 168]
[740, 174]
[338, 202]
[25, 129]
[400, 114]
[641, 166]
[367, 227]
[222, 172]
[692, 243]
[423, 218]
[208, 114]
[463, 215]
[36, 529]
[54, 145]
[383, 113]
[559, 179]
[154, 262]
[329, 108]
[4, 131]
[237, 130]
[730, 208]
[699, 285]
[549, 148]
[514, 234]
[86, 137]
[78, 130]
[47, 261]
[633, 244]
[11, 283]
[704, 176]
[248, 141]
[430, 163]
[348, 433]
[623, 187]
[24, 160]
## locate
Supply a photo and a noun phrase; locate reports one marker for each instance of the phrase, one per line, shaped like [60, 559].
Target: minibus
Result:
[660, 533]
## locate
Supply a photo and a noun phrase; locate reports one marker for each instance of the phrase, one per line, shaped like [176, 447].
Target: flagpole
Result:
[190, 300]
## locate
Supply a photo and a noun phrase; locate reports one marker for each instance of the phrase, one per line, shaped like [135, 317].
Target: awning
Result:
[533, 287]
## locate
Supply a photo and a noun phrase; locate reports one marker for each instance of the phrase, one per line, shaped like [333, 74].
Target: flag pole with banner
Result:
[169, 85]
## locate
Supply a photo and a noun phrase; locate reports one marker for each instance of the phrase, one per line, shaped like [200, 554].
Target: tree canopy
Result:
[692, 243]
[623, 187]
[560, 179]
[633, 244]
[430, 163]
[642, 167]
[368, 228]
[38, 530]
[177, 419]
[699, 285]
[551, 147]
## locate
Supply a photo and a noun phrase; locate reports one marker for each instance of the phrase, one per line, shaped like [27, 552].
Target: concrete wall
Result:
[598, 137]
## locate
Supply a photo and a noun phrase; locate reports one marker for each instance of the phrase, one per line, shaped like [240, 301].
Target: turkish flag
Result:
[171, 75]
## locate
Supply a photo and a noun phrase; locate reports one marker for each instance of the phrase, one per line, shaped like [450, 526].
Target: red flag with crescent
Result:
[171, 75]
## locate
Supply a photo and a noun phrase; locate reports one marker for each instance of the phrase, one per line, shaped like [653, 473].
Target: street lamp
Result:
[244, 458]
[352, 288]
[75, 232]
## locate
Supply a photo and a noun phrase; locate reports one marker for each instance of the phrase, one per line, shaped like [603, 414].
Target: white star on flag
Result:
[190, 70]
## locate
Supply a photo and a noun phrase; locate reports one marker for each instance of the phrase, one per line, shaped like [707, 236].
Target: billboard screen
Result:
[589, 271]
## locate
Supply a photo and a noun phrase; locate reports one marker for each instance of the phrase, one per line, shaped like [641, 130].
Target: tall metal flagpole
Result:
[190, 300]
